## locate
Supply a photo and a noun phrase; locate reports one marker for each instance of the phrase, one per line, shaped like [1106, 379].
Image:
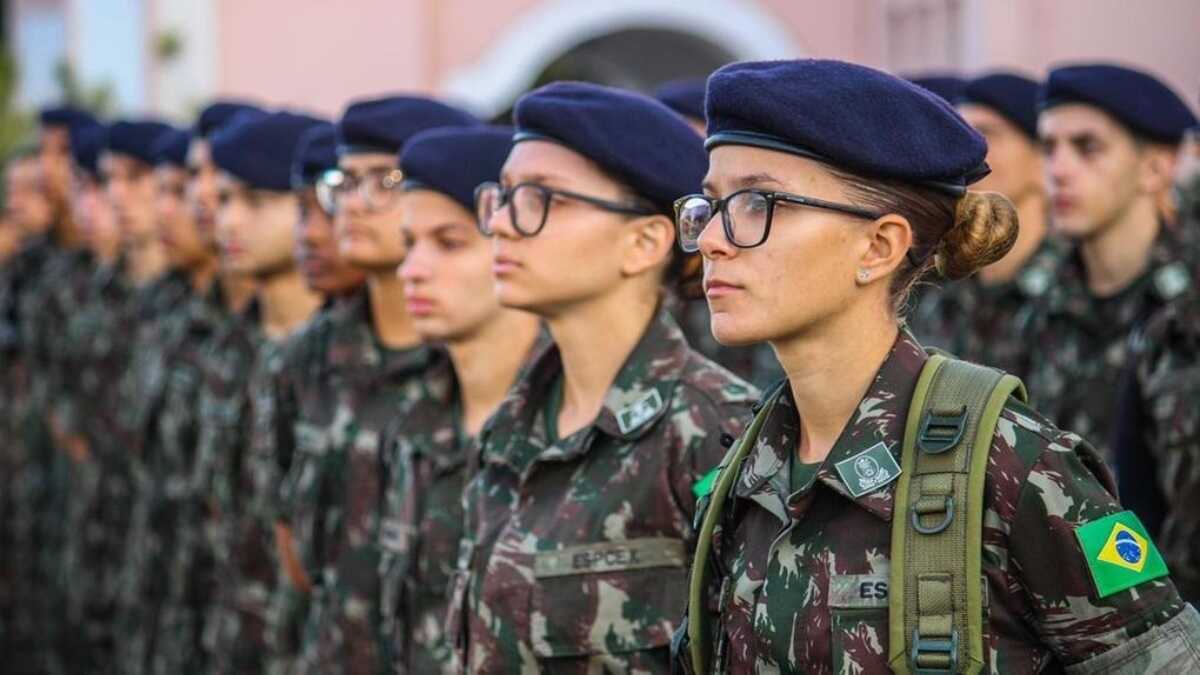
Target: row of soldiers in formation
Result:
[408, 392]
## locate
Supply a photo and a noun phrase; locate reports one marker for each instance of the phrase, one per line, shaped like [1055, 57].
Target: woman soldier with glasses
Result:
[833, 188]
[578, 519]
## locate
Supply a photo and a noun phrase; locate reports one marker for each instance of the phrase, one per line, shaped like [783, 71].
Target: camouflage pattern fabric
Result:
[801, 577]
[338, 391]
[986, 324]
[31, 460]
[1159, 456]
[427, 461]
[1078, 343]
[159, 310]
[173, 452]
[574, 553]
[235, 477]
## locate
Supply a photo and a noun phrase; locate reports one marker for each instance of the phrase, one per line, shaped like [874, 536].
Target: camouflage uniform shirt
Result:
[790, 565]
[1159, 451]
[574, 552]
[426, 458]
[984, 324]
[1078, 343]
[336, 394]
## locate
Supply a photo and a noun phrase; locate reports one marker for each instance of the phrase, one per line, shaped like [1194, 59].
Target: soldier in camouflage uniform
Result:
[232, 476]
[51, 416]
[980, 318]
[1106, 164]
[28, 205]
[448, 285]
[328, 274]
[578, 519]
[1157, 434]
[159, 295]
[94, 358]
[755, 363]
[185, 334]
[801, 554]
[341, 382]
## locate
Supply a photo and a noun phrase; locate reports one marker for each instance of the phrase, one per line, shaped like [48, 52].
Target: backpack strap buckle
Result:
[941, 432]
[932, 656]
[928, 508]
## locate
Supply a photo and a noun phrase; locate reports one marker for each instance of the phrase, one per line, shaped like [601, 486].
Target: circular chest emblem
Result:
[866, 467]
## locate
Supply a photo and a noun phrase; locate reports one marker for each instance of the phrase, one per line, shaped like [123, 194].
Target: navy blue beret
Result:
[385, 124]
[172, 148]
[66, 116]
[316, 153]
[1138, 100]
[455, 160]
[258, 149]
[1013, 96]
[136, 138]
[634, 137]
[846, 115]
[86, 145]
[949, 87]
[218, 113]
[685, 96]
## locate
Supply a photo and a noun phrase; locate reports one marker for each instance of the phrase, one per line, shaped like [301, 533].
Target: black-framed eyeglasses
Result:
[746, 215]
[376, 188]
[528, 205]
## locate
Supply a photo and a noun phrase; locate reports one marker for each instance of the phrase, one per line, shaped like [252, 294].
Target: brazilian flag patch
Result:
[1119, 553]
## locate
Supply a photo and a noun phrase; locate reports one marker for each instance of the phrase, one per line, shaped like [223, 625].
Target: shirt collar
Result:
[879, 418]
[639, 397]
[354, 348]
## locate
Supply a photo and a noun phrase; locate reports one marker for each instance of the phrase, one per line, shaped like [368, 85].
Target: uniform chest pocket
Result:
[858, 608]
[608, 598]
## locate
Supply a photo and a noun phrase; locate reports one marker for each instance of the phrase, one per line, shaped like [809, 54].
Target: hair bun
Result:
[985, 229]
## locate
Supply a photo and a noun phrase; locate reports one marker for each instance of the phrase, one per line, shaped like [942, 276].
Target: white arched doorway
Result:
[739, 30]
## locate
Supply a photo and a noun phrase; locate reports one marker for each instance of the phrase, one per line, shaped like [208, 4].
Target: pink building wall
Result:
[320, 54]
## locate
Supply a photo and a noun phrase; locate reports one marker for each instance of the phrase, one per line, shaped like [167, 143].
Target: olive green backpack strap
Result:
[697, 615]
[936, 581]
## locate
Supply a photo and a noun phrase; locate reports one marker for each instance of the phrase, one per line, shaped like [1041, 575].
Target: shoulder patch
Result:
[1119, 553]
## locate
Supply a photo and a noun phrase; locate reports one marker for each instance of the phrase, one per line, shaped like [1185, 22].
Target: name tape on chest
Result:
[610, 556]
[869, 470]
[858, 591]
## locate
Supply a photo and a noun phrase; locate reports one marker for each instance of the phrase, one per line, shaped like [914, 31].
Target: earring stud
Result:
[864, 275]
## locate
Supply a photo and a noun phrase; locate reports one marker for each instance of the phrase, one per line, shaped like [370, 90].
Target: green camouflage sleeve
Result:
[1091, 623]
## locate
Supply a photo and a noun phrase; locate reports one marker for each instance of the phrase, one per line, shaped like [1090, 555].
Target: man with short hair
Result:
[1109, 136]
[255, 234]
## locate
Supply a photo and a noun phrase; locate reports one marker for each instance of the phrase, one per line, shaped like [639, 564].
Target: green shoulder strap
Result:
[697, 615]
[936, 592]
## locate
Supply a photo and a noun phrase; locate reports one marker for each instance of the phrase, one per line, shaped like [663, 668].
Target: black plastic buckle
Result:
[941, 433]
[931, 647]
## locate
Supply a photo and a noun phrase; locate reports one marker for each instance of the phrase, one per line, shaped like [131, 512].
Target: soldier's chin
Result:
[733, 333]
[434, 329]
